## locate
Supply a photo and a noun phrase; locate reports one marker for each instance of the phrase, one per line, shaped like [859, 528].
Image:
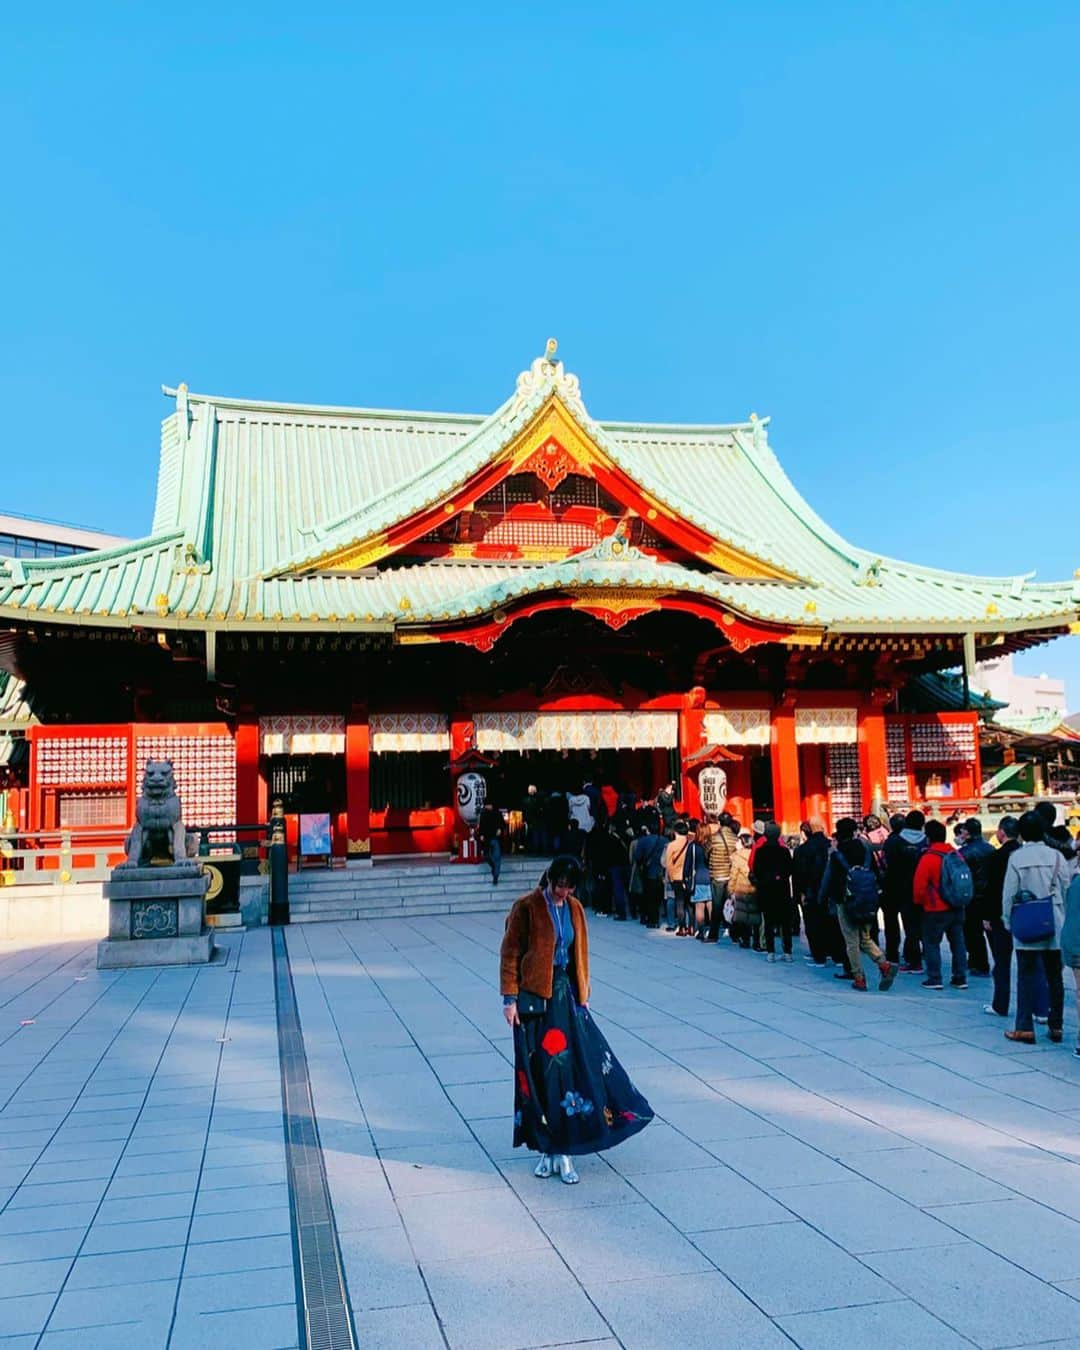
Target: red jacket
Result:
[927, 887]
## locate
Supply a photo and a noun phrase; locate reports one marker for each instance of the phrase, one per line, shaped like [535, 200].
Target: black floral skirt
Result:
[571, 1095]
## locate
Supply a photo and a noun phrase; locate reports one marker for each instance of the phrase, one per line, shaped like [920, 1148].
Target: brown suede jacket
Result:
[527, 957]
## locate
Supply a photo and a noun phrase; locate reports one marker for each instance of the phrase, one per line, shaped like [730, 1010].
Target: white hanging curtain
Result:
[738, 726]
[577, 730]
[302, 734]
[409, 731]
[826, 726]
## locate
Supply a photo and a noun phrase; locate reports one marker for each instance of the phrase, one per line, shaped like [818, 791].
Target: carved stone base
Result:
[156, 917]
[113, 954]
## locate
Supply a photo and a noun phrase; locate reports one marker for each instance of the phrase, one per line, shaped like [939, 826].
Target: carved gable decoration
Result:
[555, 444]
[551, 463]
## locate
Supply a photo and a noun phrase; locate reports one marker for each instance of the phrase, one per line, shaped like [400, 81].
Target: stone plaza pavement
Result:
[826, 1167]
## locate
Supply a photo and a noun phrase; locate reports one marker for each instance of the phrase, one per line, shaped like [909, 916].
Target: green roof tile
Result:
[247, 489]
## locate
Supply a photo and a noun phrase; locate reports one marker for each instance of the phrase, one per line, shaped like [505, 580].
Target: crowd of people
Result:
[894, 891]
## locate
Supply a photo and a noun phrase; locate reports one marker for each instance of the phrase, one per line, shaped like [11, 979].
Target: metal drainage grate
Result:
[323, 1298]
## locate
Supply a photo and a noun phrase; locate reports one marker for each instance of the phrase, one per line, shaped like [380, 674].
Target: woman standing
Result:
[745, 927]
[770, 871]
[700, 881]
[571, 1095]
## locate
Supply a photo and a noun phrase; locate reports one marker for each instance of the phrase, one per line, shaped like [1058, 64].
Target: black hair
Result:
[1009, 826]
[1047, 813]
[973, 826]
[914, 820]
[936, 831]
[846, 828]
[1032, 825]
[896, 823]
[564, 870]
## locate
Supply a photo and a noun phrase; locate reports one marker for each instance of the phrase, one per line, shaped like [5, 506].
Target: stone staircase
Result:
[407, 890]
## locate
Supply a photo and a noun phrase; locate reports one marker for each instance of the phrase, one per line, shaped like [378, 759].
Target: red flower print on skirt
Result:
[554, 1041]
[523, 1083]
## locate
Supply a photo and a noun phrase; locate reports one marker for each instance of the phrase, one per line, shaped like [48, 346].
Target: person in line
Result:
[532, 810]
[571, 1095]
[556, 821]
[697, 870]
[770, 871]
[977, 852]
[901, 853]
[849, 877]
[807, 873]
[675, 891]
[890, 900]
[1001, 943]
[723, 841]
[649, 863]
[610, 853]
[940, 917]
[1036, 871]
[745, 927]
[580, 808]
[1070, 943]
[665, 805]
[489, 829]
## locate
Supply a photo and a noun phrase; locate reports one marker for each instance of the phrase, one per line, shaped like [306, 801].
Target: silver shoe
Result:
[566, 1170]
[545, 1166]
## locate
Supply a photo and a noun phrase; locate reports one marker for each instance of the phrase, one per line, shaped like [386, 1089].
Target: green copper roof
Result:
[247, 490]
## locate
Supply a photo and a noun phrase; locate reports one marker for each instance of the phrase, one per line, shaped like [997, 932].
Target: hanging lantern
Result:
[471, 795]
[712, 788]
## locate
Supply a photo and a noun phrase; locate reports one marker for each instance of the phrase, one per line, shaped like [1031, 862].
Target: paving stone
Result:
[471, 1299]
[780, 1161]
[788, 1268]
[658, 1147]
[862, 1217]
[238, 1254]
[1006, 1295]
[475, 1223]
[414, 1326]
[230, 1290]
[695, 1312]
[886, 1326]
[26, 1314]
[95, 1272]
[600, 1185]
[440, 1169]
[1027, 1234]
[715, 1118]
[381, 1270]
[150, 1301]
[620, 1242]
[32, 1277]
[709, 1198]
[275, 1327]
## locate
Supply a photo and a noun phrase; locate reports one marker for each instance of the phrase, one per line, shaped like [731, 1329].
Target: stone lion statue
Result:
[158, 833]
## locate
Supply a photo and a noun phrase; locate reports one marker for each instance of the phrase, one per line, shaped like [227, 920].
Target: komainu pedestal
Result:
[156, 917]
[157, 898]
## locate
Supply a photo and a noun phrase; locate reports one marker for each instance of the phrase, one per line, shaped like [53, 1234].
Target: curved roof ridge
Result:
[324, 409]
[76, 562]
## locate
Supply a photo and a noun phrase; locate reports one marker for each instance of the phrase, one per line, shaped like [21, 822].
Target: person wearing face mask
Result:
[571, 1095]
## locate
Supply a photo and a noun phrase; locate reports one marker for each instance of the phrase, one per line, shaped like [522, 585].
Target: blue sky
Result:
[861, 220]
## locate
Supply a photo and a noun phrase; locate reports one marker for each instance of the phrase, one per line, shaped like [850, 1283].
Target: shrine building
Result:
[345, 607]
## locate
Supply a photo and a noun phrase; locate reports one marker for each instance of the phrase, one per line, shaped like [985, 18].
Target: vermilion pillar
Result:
[246, 740]
[873, 760]
[691, 739]
[358, 783]
[787, 793]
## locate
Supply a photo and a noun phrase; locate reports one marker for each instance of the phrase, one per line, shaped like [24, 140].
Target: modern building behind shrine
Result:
[346, 606]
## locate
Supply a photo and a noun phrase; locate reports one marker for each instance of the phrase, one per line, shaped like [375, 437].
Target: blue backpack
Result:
[957, 884]
[861, 897]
